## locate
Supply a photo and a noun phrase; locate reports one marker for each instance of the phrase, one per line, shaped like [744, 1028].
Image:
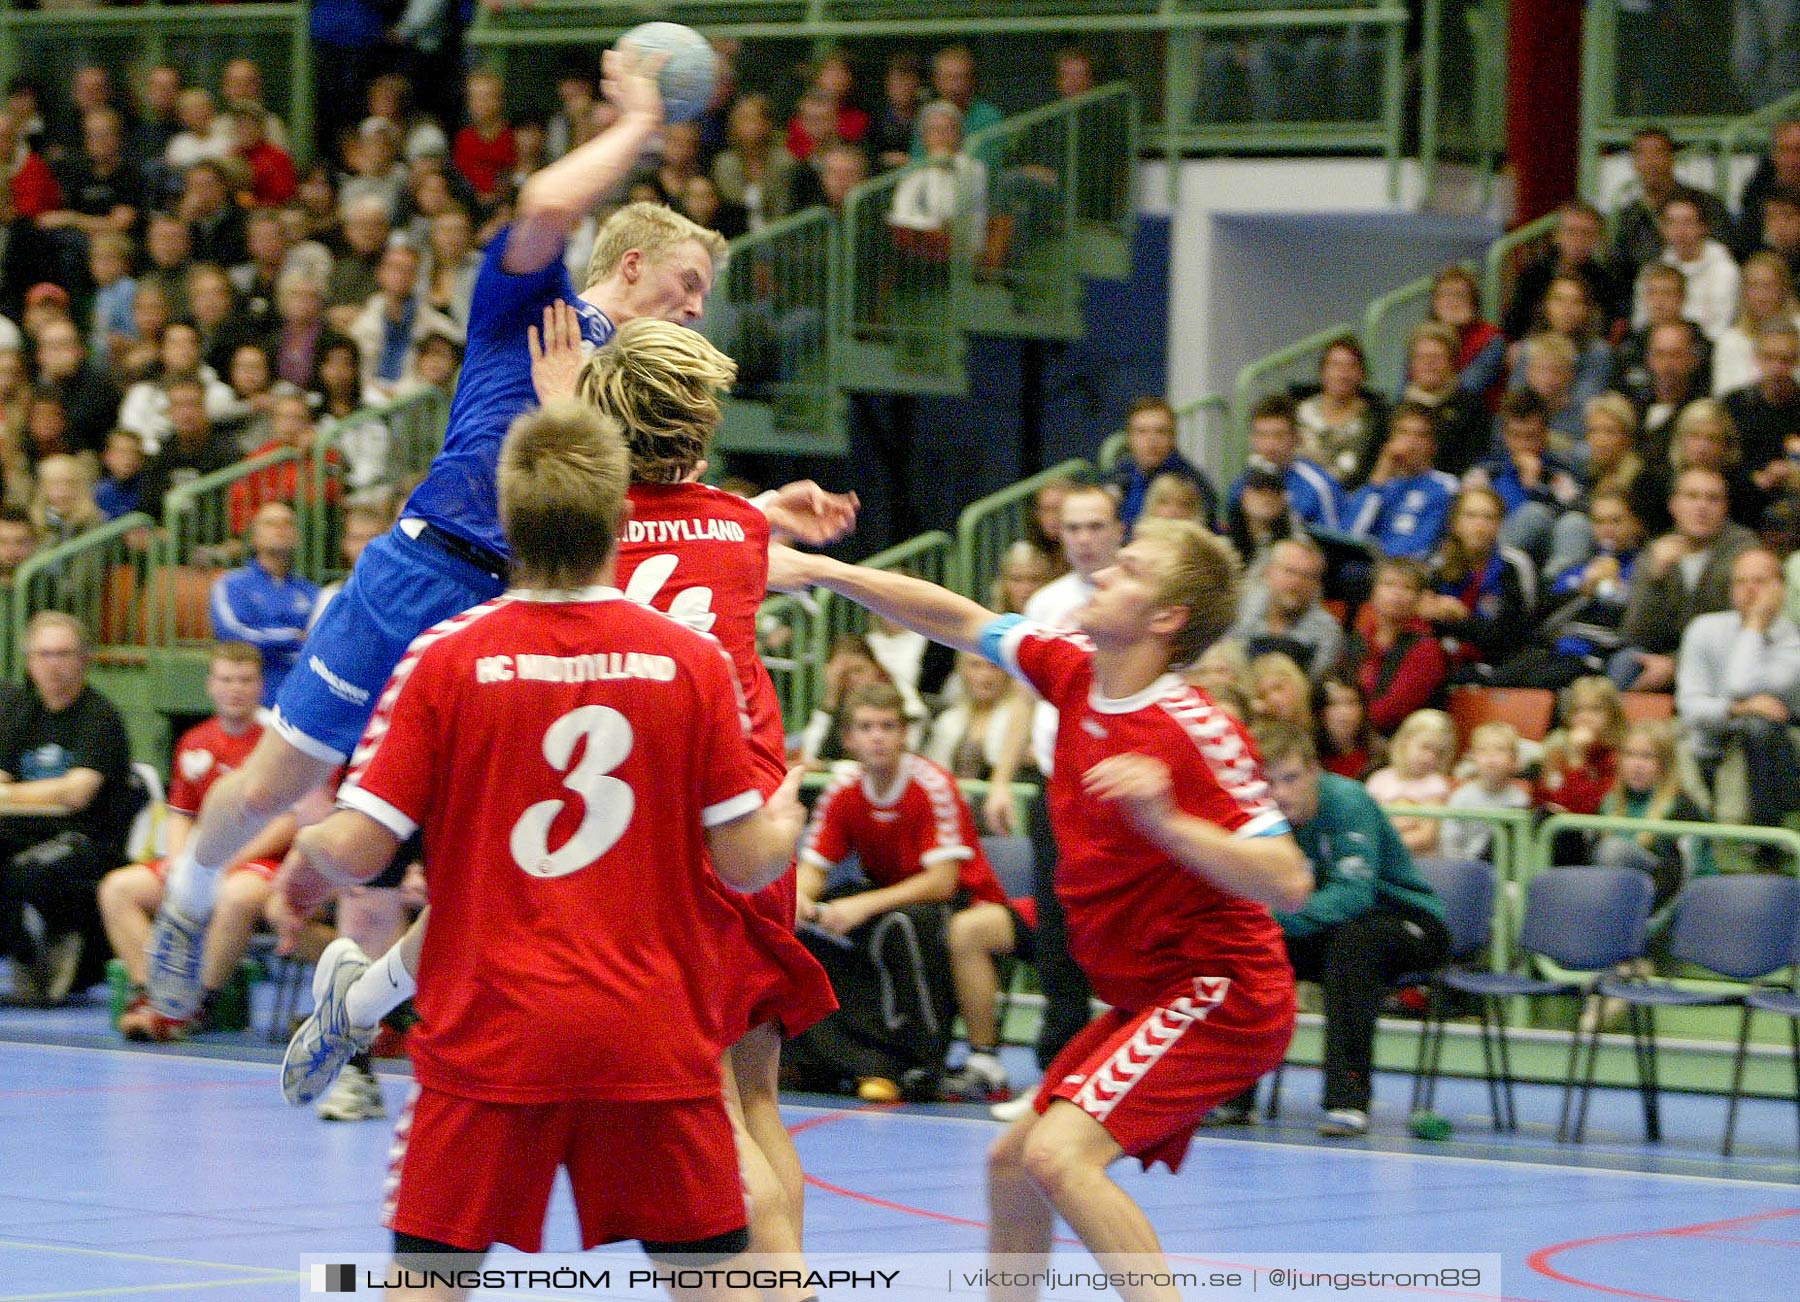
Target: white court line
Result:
[138, 1289]
[1789, 1187]
[113, 1255]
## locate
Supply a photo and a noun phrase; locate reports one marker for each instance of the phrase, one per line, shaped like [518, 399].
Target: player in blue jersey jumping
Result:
[447, 552]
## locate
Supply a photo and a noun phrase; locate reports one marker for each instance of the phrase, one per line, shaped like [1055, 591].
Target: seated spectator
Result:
[157, 120]
[130, 896]
[1260, 518]
[169, 246]
[255, 280]
[906, 821]
[1569, 313]
[953, 81]
[273, 179]
[1574, 252]
[1399, 663]
[46, 428]
[1481, 347]
[121, 490]
[1546, 370]
[376, 171]
[1711, 272]
[145, 410]
[265, 603]
[338, 392]
[1418, 773]
[576, 93]
[1768, 299]
[253, 387]
[1738, 687]
[90, 88]
[314, 215]
[756, 171]
[392, 323]
[841, 169]
[700, 202]
[484, 151]
[1684, 573]
[362, 526]
[678, 164]
[437, 365]
[1676, 378]
[193, 447]
[222, 328]
[291, 426]
[102, 189]
[834, 82]
[1464, 434]
[1535, 485]
[1649, 787]
[18, 541]
[1579, 628]
[64, 505]
[1151, 451]
[849, 665]
[1223, 673]
[1043, 523]
[91, 399]
[1581, 757]
[1405, 504]
[1276, 439]
[28, 262]
[903, 93]
[1282, 613]
[1170, 497]
[301, 332]
[1610, 434]
[447, 279]
[1781, 229]
[205, 132]
[115, 291]
[1494, 752]
[967, 739]
[1484, 591]
[1023, 570]
[1704, 436]
[1766, 414]
[390, 98]
[353, 278]
[61, 743]
[1776, 172]
[1343, 420]
[1347, 745]
[1637, 227]
[1663, 291]
[215, 222]
[33, 185]
[1283, 691]
[939, 209]
[1370, 918]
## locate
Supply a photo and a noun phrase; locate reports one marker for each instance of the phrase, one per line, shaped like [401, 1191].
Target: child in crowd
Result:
[1282, 690]
[1419, 774]
[64, 505]
[1648, 786]
[121, 491]
[1494, 751]
[1581, 758]
[1348, 744]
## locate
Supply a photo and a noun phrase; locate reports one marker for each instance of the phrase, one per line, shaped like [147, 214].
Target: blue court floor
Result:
[159, 1173]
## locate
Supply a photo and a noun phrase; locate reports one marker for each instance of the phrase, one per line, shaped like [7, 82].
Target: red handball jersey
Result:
[564, 757]
[1139, 923]
[701, 555]
[921, 820]
[205, 754]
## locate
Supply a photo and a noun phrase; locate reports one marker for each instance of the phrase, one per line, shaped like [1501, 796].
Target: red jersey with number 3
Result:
[564, 758]
[702, 555]
[920, 820]
[206, 753]
[1139, 923]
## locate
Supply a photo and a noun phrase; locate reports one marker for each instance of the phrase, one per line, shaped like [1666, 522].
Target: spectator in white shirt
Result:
[1712, 274]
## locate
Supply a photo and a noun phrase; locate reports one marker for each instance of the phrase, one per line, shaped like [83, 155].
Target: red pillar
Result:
[1543, 102]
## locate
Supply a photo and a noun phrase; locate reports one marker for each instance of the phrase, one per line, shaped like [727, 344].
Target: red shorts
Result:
[771, 976]
[472, 1174]
[263, 868]
[1148, 1077]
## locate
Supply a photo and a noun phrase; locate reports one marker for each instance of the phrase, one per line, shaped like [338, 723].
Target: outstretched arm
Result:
[555, 199]
[941, 615]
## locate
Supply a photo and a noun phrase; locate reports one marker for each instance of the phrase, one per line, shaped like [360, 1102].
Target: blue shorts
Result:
[401, 586]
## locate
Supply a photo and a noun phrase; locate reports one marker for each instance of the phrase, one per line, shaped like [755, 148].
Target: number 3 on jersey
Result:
[690, 606]
[607, 802]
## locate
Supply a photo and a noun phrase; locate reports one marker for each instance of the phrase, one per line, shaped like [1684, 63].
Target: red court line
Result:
[1540, 1260]
[1748, 1238]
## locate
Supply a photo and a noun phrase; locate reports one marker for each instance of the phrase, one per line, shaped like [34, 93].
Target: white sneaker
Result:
[173, 954]
[354, 1096]
[325, 1041]
[981, 1079]
[1017, 1106]
[1344, 1123]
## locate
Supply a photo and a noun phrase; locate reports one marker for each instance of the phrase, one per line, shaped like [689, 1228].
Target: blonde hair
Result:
[1274, 664]
[86, 513]
[1496, 732]
[663, 384]
[563, 476]
[1226, 655]
[1548, 344]
[1708, 410]
[1202, 574]
[1618, 407]
[1166, 488]
[1423, 725]
[1660, 733]
[652, 229]
[1596, 692]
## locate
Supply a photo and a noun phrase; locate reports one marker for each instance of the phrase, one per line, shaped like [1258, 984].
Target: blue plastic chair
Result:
[1582, 919]
[1783, 1001]
[1741, 927]
[1015, 865]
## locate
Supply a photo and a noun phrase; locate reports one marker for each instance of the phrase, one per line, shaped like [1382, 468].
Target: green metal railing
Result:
[1298, 363]
[1387, 323]
[771, 311]
[100, 577]
[1498, 267]
[899, 325]
[1462, 108]
[198, 39]
[367, 451]
[787, 640]
[929, 556]
[986, 528]
[198, 538]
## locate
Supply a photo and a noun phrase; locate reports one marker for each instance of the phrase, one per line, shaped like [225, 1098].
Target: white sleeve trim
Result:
[816, 859]
[729, 811]
[366, 802]
[945, 852]
[1270, 823]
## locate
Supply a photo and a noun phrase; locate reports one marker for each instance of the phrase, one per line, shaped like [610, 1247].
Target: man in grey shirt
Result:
[1739, 684]
[1282, 613]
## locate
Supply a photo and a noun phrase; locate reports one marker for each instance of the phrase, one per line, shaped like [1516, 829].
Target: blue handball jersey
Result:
[460, 493]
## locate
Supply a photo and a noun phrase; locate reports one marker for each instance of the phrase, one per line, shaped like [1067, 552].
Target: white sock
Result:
[191, 887]
[984, 1058]
[379, 991]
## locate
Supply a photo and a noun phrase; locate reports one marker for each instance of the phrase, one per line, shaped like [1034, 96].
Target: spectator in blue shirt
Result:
[1406, 503]
[266, 604]
[121, 491]
[1534, 484]
[1150, 439]
[1275, 443]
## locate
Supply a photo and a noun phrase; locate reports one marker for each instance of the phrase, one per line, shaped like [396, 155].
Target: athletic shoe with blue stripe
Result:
[173, 954]
[326, 1040]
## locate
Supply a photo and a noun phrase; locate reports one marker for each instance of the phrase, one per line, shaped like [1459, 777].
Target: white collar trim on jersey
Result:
[569, 596]
[1162, 687]
[885, 799]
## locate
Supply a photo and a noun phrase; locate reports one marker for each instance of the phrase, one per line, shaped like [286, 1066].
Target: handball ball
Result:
[688, 78]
